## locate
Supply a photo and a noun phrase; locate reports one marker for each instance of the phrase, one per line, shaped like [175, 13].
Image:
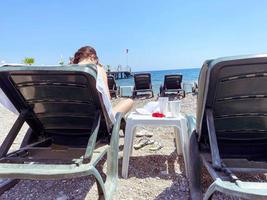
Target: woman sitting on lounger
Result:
[88, 55]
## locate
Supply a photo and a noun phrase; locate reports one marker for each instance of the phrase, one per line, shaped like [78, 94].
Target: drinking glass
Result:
[175, 108]
[163, 105]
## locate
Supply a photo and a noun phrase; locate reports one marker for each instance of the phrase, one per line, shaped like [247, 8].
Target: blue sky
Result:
[160, 34]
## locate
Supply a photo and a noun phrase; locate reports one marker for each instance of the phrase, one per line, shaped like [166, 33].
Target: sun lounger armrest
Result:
[116, 128]
[112, 161]
[216, 160]
[191, 127]
[92, 140]
[191, 123]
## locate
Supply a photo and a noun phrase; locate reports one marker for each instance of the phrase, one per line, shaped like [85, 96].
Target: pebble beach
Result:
[152, 175]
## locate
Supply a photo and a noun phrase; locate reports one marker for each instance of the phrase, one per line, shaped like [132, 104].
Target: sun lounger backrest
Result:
[59, 100]
[111, 82]
[234, 89]
[173, 81]
[142, 81]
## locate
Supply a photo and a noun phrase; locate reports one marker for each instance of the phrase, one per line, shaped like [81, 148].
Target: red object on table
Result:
[157, 114]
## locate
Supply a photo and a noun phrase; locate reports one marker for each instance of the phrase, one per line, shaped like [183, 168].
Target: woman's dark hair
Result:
[84, 53]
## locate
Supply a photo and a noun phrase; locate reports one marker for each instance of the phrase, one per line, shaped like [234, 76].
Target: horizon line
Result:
[169, 69]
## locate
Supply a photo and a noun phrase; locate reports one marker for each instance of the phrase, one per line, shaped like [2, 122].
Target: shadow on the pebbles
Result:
[154, 166]
[173, 97]
[161, 167]
[76, 188]
[180, 186]
[178, 190]
[143, 96]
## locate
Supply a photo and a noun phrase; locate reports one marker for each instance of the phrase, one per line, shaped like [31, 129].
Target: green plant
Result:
[28, 61]
[61, 62]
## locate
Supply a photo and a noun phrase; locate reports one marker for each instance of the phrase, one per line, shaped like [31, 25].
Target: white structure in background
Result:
[11, 64]
[2, 63]
[127, 52]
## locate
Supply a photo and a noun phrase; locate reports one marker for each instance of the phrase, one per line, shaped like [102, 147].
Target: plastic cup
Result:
[175, 108]
[163, 105]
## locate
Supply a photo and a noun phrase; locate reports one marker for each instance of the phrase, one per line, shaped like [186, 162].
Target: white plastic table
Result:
[134, 120]
[126, 91]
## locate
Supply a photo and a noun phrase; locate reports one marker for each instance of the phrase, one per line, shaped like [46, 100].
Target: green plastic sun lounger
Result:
[195, 88]
[70, 130]
[172, 84]
[112, 86]
[229, 134]
[142, 84]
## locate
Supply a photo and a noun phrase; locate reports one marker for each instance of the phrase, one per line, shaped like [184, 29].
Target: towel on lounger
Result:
[7, 103]
[100, 86]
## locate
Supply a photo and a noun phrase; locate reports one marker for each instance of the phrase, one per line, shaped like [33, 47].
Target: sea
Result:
[189, 76]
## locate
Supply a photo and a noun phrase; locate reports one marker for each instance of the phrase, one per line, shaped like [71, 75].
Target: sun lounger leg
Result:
[178, 140]
[188, 129]
[5, 146]
[183, 94]
[127, 149]
[194, 168]
[161, 91]
[209, 193]
[112, 158]
[100, 184]
[134, 94]
[101, 195]
[6, 184]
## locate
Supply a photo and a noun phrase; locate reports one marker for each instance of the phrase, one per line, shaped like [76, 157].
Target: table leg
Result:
[128, 143]
[177, 133]
[183, 124]
[132, 139]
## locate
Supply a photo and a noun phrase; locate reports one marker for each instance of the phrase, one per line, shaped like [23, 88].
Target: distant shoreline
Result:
[167, 69]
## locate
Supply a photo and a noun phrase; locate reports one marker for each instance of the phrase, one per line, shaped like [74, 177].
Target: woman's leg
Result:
[123, 106]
